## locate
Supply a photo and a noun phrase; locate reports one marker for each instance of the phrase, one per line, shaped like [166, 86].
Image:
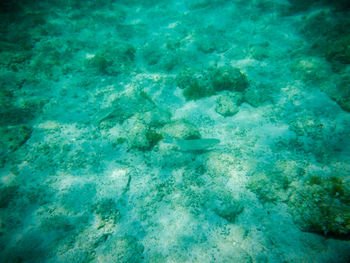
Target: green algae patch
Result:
[153, 138]
[323, 205]
[228, 78]
[197, 90]
[181, 129]
[199, 84]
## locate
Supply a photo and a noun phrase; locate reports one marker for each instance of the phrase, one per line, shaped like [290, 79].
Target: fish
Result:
[194, 145]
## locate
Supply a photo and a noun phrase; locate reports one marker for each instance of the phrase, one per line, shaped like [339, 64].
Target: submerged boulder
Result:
[225, 205]
[228, 78]
[227, 104]
[141, 136]
[198, 84]
[322, 205]
[195, 84]
[228, 210]
[181, 129]
[124, 107]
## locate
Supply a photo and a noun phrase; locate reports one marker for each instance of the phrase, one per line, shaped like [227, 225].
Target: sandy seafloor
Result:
[90, 90]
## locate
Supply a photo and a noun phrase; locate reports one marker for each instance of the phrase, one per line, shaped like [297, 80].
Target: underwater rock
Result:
[112, 58]
[227, 104]
[141, 136]
[311, 69]
[224, 205]
[197, 90]
[328, 32]
[196, 84]
[186, 77]
[221, 163]
[271, 184]
[228, 78]
[137, 136]
[155, 118]
[322, 204]
[204, 83]
[263, 188]
[308, 125]
[124, 107]
[181, 129]
[228, 210]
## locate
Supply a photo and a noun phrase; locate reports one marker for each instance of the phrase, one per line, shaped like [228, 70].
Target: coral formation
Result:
[322, 205]
[181, 129]
[228, 209]
[228, 78]
[227, 104]
[124, 107]
[204, 83]
[197, 90]
[195, 84]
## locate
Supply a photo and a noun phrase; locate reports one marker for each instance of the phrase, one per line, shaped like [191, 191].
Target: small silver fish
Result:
[192, 145]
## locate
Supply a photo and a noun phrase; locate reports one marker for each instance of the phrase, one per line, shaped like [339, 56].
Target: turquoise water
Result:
[175, 131]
